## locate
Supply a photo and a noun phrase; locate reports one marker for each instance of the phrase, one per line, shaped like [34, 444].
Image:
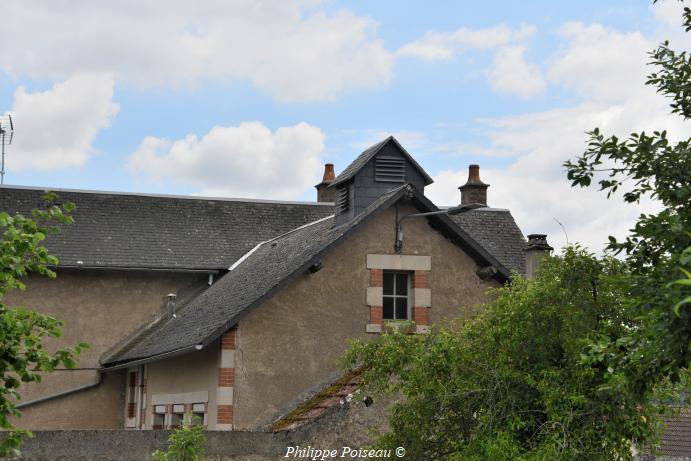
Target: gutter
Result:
[182, 350]
[101, 372]
[62, 393]
[147, 269]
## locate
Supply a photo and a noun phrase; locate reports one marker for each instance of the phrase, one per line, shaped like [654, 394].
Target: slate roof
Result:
[367, 155]
[267, 268]
[114, 229]
[496, 230]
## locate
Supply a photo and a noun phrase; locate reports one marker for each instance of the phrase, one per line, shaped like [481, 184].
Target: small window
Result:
[159, 417]
[198, 415]
[177, 416]
[396, 295]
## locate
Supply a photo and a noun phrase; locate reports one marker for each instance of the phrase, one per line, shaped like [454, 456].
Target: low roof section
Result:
[125, 230]
[266, 269]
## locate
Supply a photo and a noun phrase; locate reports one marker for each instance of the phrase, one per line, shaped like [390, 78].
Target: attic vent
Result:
[342, 199]
[389, 169]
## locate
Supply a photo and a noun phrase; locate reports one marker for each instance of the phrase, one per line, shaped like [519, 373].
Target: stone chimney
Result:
[474, 190]
[324, 192]
[536, 249]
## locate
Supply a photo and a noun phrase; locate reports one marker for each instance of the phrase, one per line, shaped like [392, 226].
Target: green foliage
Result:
[521, 380]
[184, 444]
[657, 249]
[22, 331]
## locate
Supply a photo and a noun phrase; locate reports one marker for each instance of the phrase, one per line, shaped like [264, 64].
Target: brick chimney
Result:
[536, 249]
[474, 190]
[324, 192]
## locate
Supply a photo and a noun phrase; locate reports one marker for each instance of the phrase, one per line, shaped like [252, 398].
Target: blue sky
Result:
[249, 99]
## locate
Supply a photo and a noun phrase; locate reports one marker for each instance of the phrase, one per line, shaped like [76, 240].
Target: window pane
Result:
[388, 308]
[402, 284]
[388, 283]
[401, 308]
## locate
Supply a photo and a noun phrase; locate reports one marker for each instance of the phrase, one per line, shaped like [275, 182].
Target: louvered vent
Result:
[342, 201]
[389, 169]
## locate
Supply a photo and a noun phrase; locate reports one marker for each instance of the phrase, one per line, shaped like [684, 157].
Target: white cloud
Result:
[601, 63]
[513, 75]
[237, 161]
[56, 128]
[462, 149]
[607, 69]
[290, 48]
[436, 46]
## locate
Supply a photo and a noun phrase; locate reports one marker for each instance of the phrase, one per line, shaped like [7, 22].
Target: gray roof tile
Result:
[497, 232]
[266, 269]
[269, 267]
[129, 230]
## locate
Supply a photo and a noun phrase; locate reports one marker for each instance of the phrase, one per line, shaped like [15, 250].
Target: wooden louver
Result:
[389, 169]
[342, 198]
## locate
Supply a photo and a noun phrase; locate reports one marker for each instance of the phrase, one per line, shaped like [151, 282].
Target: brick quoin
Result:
[376, 277]
[225, 414]
[376, 314]
[420, 279]
[226, 377]
[228, 340]
[420, 314]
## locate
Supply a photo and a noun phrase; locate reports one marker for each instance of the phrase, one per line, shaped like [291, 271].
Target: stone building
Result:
[237, 310]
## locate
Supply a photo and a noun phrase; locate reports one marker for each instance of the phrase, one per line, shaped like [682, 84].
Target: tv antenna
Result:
[6, 133]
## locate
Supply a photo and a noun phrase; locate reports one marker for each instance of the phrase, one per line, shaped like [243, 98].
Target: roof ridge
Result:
[299, 228]
[171, 196]
[368, 154]
[249, 253]
[246, 255]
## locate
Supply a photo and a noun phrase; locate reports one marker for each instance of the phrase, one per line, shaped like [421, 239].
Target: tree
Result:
[579, 362]
[657, 249]
[185, 443]
[22, 331]
[517, 382]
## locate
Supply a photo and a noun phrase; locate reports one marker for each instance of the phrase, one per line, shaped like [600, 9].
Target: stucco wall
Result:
[194, 372]
[99, 307]
[288, 347]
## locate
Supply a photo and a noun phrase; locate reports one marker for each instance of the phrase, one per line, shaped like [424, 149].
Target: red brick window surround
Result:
[409, 302]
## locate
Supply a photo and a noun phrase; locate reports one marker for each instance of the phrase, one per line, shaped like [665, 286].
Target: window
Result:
[396, 299]
[198, 415]
[177, 416]
[159, 417]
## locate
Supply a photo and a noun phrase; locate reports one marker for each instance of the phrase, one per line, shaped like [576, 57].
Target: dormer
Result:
[377, 170]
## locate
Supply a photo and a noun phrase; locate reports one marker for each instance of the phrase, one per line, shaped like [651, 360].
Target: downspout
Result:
[62, 393]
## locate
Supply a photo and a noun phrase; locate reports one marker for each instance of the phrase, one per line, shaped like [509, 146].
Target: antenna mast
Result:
[6, 133]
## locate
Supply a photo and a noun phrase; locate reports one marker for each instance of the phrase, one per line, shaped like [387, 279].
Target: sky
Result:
[250, 98]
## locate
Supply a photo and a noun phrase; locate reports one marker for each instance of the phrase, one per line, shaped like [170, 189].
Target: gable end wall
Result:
[288, 346]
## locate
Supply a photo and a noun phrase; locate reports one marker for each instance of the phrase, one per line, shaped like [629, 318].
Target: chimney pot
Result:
[538, 242]
[474, 190]
[474, 173]
[536, 249]
[329, 175]
[324, 192]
